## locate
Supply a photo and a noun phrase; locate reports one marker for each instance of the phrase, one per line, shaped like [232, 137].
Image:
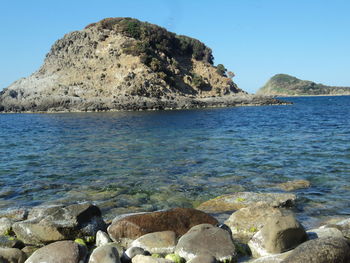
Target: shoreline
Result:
[151, 104]
[82, 224]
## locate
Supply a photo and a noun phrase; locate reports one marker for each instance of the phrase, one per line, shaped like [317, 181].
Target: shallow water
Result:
[144, 161]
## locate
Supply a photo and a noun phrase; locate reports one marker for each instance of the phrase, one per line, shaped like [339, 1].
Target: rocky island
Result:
[286, 85]
[126, 64]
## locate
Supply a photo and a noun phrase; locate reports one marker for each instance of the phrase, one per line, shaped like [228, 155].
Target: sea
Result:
[145, 161]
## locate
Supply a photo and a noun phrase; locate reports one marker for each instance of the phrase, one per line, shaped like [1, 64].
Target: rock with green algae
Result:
[240, 200]
[175, 258]
[245, 222]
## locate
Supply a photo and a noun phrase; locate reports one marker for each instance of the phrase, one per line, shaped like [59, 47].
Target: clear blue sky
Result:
[254, 38]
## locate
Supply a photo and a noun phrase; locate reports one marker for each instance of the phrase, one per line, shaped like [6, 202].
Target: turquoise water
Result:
[144, 161]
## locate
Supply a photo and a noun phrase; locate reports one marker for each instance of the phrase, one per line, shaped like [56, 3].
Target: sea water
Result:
[145, 161]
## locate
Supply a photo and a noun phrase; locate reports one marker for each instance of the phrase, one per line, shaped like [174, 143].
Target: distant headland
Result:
[126, 64]
[286, 85]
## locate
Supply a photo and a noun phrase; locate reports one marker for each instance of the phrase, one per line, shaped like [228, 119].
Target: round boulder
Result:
[207, 239]
[321, 250]
[59, 252]
[278, 235]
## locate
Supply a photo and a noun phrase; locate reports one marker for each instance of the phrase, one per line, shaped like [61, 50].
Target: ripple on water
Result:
[144, 161]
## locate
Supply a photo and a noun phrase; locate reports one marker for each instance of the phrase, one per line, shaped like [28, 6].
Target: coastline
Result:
[152, 104]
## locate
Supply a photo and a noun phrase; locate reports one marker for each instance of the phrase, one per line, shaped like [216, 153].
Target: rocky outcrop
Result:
[286, 85]
[124, 64]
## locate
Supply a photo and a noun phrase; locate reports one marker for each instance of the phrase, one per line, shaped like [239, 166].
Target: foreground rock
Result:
[244, 199]
[149, 259]
[10, 242]
[245, 222]
[203, 258]
[59, 252]
[324, 232]
[12, 255]
[321, 250]
[294, 185]
[105, 254]
[157, 243]
[5, 225]
[178, 220]
[46, 225]
[278, 235]
[207, 239]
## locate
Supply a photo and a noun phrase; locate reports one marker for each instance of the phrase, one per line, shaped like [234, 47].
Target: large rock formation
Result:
[124, 64]
[285, 85]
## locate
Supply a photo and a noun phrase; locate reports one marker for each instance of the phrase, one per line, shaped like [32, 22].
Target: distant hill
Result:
[286, 85]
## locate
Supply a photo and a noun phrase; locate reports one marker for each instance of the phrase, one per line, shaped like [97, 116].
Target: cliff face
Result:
[285, 85]
[119, 63]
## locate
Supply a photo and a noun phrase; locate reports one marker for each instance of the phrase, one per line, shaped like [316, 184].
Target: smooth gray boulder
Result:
[12, 255]
[324, 232]
[132, 252]
[105, 254]
[321, 250]
[207, 239]
[149, 259]
[203, 258]
[59, 252]
[46, 225]
[163, 242]
[278, 235]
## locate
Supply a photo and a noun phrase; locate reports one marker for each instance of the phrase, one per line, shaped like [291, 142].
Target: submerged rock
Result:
[59, 252]
[179, 220]
[207, 239]
[321, 250]
[293, 185]
[60, 223]
[244, 199]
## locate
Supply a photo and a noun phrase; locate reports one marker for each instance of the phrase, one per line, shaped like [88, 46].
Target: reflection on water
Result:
[135, 161]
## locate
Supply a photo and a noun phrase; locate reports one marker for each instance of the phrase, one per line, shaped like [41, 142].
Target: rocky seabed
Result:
[262, 228]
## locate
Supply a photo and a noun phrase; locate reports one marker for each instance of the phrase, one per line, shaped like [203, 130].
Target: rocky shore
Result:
[143, 104]
[262, 228]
